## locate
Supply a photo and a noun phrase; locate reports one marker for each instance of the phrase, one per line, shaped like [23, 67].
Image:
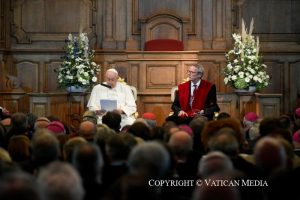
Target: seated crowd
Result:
[225, 158]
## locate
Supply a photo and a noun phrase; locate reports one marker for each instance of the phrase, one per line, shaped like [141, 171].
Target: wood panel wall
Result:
[32, 35]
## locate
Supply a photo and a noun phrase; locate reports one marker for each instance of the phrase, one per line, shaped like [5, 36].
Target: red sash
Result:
[184, 91]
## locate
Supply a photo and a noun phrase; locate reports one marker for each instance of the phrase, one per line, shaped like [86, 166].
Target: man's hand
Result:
[182, 114]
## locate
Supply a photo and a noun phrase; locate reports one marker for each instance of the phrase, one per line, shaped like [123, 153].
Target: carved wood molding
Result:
[87, 8]
[240, 9]
[189, 19]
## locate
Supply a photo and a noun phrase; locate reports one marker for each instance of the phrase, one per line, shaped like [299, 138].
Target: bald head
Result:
[87, 130]
[181, 143]
[269, 155]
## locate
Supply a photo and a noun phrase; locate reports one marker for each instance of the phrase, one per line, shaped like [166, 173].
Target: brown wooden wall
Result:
[32, 35]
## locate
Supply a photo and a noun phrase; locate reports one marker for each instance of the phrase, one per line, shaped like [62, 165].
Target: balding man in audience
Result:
[87, 130]
[186, 160]
[269, 155]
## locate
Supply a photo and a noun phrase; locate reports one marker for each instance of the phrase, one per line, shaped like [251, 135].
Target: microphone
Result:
[105, 85]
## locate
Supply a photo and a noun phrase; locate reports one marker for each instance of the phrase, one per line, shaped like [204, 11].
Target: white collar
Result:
[198, 83]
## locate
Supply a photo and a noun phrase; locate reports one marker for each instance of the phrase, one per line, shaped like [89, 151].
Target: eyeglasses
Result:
[191, 72]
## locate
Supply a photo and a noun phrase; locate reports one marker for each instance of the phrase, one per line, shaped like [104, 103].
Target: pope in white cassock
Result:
[113, 90]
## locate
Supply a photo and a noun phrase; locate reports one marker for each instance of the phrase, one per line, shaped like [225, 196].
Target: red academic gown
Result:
[204, 97]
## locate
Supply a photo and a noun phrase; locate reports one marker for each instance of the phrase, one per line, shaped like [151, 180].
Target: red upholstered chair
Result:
[163, 45]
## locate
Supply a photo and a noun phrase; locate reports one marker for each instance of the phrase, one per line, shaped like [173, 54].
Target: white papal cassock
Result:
[125, 101]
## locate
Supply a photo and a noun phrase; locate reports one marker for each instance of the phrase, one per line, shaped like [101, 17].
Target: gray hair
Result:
[150, 158]
[60, 181]
[200, 68]
[214, 162]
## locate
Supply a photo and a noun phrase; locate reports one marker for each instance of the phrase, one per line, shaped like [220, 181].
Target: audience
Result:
[100, 162]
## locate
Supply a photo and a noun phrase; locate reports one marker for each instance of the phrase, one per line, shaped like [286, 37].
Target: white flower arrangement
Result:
[244, 67]
[78, 69]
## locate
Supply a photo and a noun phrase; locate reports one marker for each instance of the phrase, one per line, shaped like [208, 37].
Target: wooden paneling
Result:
[62, 105]
[156, 80]
[14, 101]
[50, 20]
[268, 105]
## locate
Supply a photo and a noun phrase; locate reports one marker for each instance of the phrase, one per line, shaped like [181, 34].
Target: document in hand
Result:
[108, 105]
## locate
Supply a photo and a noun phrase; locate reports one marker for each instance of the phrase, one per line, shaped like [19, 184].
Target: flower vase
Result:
[241, 90]
[75, 89]
[250, 89]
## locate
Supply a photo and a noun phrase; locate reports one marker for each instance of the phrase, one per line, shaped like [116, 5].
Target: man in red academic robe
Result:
[196, 96]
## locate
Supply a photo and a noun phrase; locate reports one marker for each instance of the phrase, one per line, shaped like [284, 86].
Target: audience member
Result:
[112, 120]
[225, 141]
[214, 163]
[19, 148]
[222, 115]
[150, 119]
[19, 126]
[249, 120]
[212, 128]
[18, 185]
[150, 159]
[90, 116]
[31, 118]
[197, 125]
[209, 192]
[186, 161]
[118, 148]
[41, 122]
[87, 130]
[5, 156]
[132, 187]
[297, 119]
[70, 146]
[56, 127]
[45, 148]
[141, 130]
[2, 135]
[60, 181]
[270, 156]
[5, 118]
[88, 160]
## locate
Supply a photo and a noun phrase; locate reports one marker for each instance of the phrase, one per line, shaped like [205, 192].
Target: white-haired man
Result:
[111, 89]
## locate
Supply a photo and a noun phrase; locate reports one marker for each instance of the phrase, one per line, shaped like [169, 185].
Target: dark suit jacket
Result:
[205, 99]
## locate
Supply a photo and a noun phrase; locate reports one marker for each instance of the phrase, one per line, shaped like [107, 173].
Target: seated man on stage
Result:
[113, 92]
[196, 96]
